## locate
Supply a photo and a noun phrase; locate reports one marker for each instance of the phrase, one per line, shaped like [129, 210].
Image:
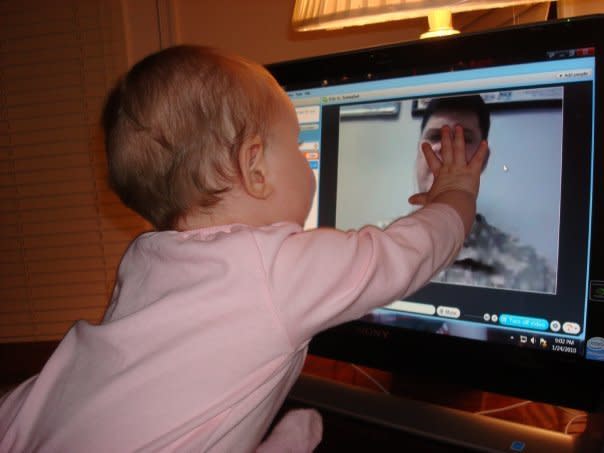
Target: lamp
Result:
[310, 15]
[440, 23]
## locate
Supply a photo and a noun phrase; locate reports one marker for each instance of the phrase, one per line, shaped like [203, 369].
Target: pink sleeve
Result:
[325, 277]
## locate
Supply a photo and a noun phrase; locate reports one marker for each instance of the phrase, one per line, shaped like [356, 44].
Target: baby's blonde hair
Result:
[174, 125]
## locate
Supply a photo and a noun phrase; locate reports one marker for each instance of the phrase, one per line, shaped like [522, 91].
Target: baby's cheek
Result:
[312, 184]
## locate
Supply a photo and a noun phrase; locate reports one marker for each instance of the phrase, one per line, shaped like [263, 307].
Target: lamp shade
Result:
[311, 15]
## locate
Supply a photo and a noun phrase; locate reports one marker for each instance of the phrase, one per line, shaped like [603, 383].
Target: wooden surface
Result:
[546, 416]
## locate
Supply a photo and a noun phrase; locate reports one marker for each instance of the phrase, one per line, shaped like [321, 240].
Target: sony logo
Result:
[373, 332]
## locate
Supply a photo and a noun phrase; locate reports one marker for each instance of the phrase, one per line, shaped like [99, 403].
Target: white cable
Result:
[371, 378]
[501, 409]
[570, 411]
[570, 422]
[489, 411]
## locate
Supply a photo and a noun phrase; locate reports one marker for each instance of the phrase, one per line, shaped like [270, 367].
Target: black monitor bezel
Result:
[568, 380]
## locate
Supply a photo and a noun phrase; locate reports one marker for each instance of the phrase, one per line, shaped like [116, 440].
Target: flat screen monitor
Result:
[521, 310]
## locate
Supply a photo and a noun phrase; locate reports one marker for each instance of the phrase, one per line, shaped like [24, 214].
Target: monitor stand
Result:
[442, 424]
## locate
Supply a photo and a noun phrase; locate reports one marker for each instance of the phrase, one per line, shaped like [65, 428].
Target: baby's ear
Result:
[254, 169]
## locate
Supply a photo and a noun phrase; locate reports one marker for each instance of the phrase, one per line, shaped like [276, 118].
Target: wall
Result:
[62, 230]
[260, 30]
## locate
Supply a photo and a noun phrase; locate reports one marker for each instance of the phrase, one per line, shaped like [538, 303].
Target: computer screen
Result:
[530, 275]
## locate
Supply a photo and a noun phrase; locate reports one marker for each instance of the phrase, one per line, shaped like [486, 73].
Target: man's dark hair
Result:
[471, 103]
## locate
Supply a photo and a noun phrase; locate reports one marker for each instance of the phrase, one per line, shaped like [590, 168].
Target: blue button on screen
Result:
[523, 322]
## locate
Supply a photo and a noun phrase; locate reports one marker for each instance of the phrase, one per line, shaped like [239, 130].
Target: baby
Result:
[211, 314]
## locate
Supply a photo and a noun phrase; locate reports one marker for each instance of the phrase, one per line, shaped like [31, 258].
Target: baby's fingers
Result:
[459, 146]
[432, 159]
[446, 145]
[479, 158]
[419, 199]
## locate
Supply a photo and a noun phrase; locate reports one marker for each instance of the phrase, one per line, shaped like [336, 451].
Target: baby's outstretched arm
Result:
[456, 180]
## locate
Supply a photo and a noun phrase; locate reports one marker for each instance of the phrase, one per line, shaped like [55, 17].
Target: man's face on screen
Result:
[431, 134]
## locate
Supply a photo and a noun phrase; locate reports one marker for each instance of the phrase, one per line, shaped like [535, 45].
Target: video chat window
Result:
[509, 248]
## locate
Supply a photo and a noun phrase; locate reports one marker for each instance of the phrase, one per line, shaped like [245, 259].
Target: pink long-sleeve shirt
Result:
[208, 329]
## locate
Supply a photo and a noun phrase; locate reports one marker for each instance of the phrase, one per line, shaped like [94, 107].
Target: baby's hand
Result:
[451, 171]
[456, 181]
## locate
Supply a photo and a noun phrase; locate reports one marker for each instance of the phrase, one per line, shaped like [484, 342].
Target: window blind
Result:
[62, 231]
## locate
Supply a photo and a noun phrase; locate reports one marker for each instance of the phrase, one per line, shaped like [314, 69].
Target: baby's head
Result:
[193, 133]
